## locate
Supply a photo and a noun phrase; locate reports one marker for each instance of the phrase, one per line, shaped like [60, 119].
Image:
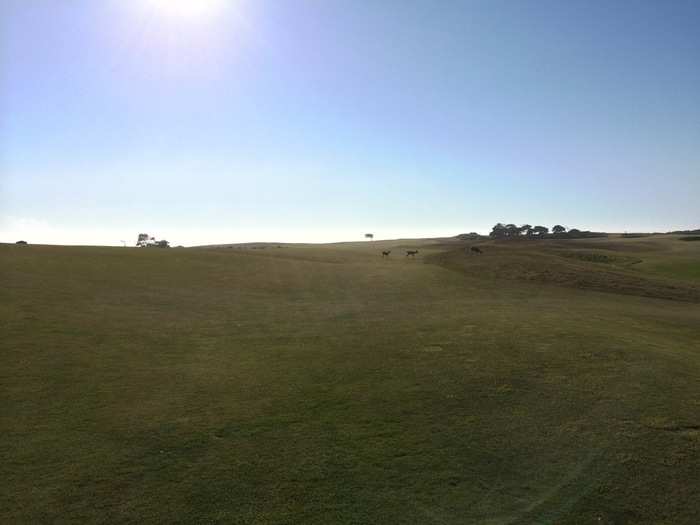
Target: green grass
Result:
[678, 260]
[322, 384]
[680, 269]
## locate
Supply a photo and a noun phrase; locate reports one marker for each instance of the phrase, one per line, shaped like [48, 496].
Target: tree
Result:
[574, 232]
[163, 244]
[526, 229]
[498, 231]
[369, 236]
[512, 230]
[143, 240]
[558, 229]
[540, 230]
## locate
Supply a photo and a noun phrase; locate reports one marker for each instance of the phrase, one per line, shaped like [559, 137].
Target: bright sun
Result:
[188, 9]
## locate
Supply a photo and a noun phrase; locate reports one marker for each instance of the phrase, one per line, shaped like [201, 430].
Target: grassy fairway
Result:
[543, 382]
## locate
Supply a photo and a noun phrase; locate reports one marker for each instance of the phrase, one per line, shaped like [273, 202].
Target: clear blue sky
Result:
[321, 120]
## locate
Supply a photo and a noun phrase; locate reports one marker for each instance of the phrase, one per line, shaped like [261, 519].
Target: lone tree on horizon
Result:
[558, 229]
[369, 236]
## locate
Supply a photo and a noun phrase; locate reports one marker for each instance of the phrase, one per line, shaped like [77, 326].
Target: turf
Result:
[540, 382]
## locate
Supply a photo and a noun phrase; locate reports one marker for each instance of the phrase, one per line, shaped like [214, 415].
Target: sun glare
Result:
[188, 9]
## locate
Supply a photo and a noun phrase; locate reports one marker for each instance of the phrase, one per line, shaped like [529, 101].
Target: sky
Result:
[319, 121]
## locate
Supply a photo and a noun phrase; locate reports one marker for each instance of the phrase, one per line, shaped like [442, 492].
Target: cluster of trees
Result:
[504, 231]
[501, 230]
[146, 241]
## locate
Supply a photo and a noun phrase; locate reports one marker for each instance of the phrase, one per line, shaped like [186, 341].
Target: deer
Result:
[411, 253]
[476, 250]
[386, 253]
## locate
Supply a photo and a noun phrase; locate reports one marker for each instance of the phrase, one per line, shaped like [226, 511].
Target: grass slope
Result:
[552, 382]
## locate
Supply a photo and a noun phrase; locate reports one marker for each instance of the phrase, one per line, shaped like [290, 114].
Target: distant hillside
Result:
[686, 232]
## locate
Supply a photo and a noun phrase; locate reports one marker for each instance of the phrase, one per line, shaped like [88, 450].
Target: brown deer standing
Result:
[411, 253]
[386, 253]
[476, 250]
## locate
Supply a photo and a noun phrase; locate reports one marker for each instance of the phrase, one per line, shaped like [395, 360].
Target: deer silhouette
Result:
[386, 253]
[411, 253]
[475, 249]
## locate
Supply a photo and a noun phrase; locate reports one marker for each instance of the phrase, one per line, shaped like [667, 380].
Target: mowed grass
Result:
[323, 384]
[675, 258]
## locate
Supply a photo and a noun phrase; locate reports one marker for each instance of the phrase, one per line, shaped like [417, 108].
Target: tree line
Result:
[146, 241]
[506, 231]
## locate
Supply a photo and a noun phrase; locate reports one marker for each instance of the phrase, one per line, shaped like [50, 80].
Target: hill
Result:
[551, 381]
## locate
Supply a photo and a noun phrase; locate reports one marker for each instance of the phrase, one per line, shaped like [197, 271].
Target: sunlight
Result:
[194, 39]
[188, 9]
